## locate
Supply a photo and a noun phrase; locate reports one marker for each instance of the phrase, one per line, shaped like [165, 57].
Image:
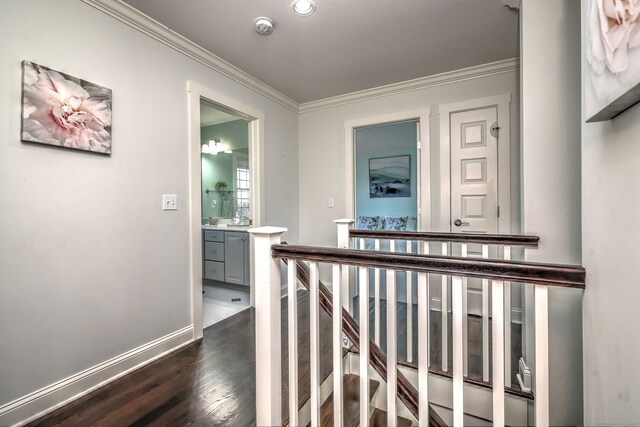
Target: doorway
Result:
[221, 205]
[376, 142]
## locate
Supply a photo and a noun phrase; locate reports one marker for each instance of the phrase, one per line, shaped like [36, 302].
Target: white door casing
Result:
[423, 163]
[255, 117]
[463, 113]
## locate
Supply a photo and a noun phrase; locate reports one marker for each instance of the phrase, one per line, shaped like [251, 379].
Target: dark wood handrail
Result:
[407, 393]
[432, 236]
[509, 271]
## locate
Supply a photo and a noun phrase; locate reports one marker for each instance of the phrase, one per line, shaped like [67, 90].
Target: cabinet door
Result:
[234, 257]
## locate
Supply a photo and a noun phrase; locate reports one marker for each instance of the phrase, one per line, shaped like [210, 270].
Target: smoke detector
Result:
[263, 25]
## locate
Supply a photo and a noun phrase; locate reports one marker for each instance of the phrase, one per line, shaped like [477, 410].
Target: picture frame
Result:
[64, 111]
[390, 176]
[612, 58]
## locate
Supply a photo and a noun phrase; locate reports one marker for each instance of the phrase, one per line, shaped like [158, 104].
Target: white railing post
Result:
[344, 225]
[267, 326]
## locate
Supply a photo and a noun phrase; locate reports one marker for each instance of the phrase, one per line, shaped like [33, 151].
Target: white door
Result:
[474, 171]
[474, 191]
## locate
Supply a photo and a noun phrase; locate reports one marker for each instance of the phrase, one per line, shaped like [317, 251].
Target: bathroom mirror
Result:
[224, 139]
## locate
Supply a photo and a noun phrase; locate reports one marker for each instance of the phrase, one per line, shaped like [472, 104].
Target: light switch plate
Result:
[331, 202]
[169, 202]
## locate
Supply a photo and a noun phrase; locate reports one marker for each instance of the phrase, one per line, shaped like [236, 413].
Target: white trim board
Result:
[34, 405]
[454, 76]
[154, 29]
[195, 92]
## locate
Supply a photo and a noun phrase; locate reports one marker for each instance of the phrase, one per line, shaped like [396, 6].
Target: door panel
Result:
[474, 165]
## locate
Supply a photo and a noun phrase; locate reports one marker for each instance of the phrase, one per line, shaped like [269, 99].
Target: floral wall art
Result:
[61, 110]
[612, 50]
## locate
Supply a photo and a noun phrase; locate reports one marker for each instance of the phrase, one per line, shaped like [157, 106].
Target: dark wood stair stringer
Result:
[407, 393]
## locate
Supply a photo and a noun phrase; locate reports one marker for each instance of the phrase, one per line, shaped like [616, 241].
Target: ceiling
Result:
[346, 45]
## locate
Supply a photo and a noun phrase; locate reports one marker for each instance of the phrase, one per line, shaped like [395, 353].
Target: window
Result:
[242, 191]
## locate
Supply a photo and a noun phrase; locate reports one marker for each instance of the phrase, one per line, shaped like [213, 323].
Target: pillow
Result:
[395, 223]
[370, 223]
[412, 223]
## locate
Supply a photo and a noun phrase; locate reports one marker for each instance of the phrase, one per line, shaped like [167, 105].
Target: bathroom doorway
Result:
[226, 212]
[225, 201]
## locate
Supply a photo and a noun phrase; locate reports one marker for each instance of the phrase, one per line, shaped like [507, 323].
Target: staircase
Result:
[398, 391]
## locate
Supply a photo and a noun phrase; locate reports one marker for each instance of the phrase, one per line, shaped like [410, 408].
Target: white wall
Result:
[550, 67]
[322, 149]
[611, 242]
[90, 267]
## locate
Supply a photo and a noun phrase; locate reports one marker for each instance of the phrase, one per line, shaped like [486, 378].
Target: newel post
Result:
[267, 327]
[347, 289]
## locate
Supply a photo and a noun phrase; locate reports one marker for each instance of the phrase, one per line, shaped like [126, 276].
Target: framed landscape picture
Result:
[390, 177]
[64, 111]
[612, 51]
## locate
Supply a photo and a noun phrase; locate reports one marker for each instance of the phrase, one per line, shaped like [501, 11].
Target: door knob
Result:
[459, 223]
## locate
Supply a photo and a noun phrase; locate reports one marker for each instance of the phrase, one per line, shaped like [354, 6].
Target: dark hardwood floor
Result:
[207, 383]
[212, 382]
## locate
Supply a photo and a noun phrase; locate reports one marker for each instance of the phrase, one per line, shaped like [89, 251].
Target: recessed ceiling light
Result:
[303, 7]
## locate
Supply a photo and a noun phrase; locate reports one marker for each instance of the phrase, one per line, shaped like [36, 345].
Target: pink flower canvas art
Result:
[612, 51]
[62, 110]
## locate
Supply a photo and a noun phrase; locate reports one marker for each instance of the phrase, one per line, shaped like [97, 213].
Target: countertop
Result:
[227, 228]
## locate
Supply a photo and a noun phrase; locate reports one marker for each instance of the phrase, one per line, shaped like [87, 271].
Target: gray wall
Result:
[550, 67]
[610, 244]
[90, 266]
[322, 149]
[396, 139]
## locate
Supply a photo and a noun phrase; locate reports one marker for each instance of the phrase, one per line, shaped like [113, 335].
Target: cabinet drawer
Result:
[214, 251]
[213, 236]
[214, 270]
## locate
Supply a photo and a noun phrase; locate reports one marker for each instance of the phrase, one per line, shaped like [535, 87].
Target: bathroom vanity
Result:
[226, 255]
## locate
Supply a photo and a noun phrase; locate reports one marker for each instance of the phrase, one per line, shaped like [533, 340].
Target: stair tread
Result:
[350, 399]
[379, 419]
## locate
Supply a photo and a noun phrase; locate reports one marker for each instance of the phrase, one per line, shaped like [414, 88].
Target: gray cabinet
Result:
[213, 254]
[226, 256]
[236, 257]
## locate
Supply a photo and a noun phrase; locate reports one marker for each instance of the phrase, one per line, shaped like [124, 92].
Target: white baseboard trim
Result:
[34, 405]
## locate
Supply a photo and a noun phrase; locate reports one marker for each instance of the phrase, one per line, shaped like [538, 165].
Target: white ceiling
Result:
[347, 45]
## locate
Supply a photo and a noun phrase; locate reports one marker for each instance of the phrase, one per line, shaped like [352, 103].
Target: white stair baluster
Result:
[444, 303]
[409, 310]
[293, 341]
[485, 321]
[507, 324]
[458, 382]
[423, 348]
[337, 346]
[364, 345]
[465, 316]
[498, 354]
[376, 298]
[541, 303]
[314, 338]
[392, 347]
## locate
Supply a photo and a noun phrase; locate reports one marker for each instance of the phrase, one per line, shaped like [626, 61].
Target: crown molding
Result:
[143, 23]
[448, 77]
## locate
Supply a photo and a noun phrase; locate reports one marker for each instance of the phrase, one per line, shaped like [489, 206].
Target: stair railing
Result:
[267, 253]
[471, 245]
